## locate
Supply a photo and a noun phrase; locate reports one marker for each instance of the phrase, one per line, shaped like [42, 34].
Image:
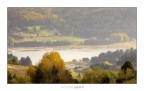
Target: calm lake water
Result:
[66, 54]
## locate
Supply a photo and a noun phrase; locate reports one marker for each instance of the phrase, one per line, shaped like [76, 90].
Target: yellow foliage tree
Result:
[119, 37]
[31, 72]
[52, 59]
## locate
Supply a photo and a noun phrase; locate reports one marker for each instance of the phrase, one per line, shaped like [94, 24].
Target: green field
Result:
[34, 37]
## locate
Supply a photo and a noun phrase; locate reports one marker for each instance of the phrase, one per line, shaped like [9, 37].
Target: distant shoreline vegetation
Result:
[114, 38]
[131, 44]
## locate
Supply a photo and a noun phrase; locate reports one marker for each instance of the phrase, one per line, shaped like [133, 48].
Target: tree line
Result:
[52, 69]
[23, 61]
[113, 60]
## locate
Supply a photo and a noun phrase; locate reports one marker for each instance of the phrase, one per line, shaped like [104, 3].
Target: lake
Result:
[66, 54]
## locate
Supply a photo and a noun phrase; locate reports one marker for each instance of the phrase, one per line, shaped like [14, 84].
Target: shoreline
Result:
[117, 45]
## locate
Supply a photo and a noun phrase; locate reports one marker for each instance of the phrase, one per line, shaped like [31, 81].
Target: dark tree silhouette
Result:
[25, 61]
[55, 77]
[126, 65]
[39, 77]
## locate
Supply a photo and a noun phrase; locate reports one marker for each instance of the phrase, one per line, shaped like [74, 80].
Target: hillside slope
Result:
[81, 22]
[35, 27]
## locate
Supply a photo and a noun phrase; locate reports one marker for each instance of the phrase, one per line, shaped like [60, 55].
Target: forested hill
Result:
[82, 22]
[85, 23]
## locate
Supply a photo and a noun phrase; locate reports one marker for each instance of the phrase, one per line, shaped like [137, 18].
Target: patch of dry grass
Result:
[18, 69]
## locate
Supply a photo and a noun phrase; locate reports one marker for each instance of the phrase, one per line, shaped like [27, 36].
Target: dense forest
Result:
[109, 67]
[32, 27]
[113, 60]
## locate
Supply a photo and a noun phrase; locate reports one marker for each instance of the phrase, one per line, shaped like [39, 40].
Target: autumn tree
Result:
[31, 72]
[52, 59]
[119, 37]
[51, 69]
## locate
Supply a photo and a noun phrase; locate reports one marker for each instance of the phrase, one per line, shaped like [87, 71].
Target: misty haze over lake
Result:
[66, 54]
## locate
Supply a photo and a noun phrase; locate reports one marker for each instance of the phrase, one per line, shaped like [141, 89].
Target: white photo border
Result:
[72, 3]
